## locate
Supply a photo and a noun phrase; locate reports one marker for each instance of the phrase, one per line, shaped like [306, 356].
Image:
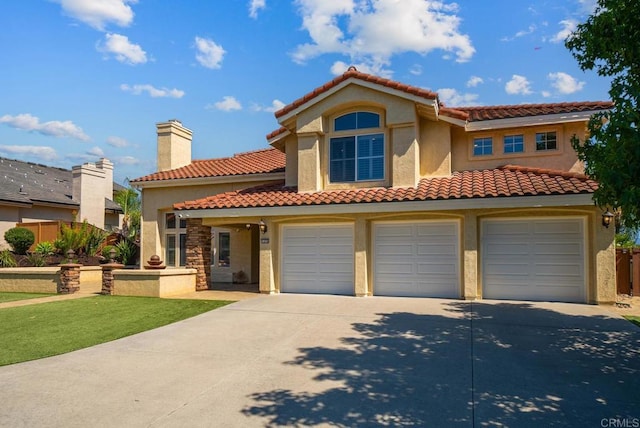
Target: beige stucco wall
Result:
[9, 216]
[405, 157]
[154, 283]
[435, 148]
[291, 152]
[30, 280]
[564, 158]
[600, 266]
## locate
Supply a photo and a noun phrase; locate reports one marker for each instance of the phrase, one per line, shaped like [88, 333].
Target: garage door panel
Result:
[416, 259]
[544, 261]
[317, 259]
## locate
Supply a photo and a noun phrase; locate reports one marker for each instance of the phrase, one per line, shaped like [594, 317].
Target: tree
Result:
[609, 43]
[129, 201]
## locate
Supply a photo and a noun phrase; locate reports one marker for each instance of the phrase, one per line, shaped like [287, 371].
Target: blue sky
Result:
[84, 79]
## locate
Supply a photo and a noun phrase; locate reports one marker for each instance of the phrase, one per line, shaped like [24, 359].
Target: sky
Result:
[85, 79]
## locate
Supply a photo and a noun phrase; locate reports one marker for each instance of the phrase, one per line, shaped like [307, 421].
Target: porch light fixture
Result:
[263, 227]
[607, 218]
[248, 226]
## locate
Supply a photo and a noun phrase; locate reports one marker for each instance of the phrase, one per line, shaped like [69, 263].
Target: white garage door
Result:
[317, 259]
[540, 259]
[416, 259]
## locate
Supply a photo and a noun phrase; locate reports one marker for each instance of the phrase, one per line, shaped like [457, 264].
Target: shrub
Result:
[82, 238]
[126, 251]
[20, 239]
[7, 259]
[36, 260]
[45, 249]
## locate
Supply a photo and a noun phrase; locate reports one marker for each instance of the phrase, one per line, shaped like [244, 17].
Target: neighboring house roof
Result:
[505, 181]
[30, 183]
[255, 162]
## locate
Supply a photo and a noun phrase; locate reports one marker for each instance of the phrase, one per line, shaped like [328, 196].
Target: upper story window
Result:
[356, 120]
[482, 146]
[546, 141]
[356, 155]
[514, 143]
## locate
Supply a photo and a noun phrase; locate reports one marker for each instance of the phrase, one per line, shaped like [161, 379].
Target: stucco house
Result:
[374, 187]
[32, 193]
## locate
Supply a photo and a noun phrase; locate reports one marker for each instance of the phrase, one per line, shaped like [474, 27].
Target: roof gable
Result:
[353, 76]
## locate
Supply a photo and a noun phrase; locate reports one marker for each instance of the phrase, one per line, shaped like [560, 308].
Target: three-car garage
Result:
[517, 258]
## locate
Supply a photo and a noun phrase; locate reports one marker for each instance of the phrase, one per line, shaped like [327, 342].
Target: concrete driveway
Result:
[342, 361]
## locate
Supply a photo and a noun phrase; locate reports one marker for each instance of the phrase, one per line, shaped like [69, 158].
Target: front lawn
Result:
[11, 297]
[38, 331]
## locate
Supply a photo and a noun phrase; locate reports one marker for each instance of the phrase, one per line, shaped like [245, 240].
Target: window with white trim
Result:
[175, 242]
[222, 249]
[358, 155]
[546, 141]
[482, 146]
[513, 143]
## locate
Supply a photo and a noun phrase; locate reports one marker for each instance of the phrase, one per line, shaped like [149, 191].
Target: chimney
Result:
[88, 185]
[174, 145]
[107, 166]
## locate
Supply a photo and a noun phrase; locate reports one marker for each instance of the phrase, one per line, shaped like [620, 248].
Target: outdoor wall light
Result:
[263, 227]
[607, 218]
[248, 226]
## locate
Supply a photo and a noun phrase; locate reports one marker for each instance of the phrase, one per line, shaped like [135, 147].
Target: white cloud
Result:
[339, 67]
[126, 160]
[474, 81]
[546, 94]
[40, 152]
[568, 27]
[123, 50]
[228, 103]
[452, 98]
[96, 151]
[372, 32]
[416, 69]
[117, 142]
[274, 107]
[520, 33]
[52, 128]
[99, 13]
[152, 91]
[518, 85]
[209, 54]
[565, 83]
[255, 6]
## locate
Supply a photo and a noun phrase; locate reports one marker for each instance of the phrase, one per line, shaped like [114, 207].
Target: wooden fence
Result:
[50, 231]
[628, 271]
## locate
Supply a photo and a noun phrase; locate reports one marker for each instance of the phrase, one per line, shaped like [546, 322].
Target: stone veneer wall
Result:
[199, 251]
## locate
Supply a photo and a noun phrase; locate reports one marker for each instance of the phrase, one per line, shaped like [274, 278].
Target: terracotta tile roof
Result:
[463, 113]
[352, 72]
[523, 110]
[277, 132]
[506, 181]
[254, 162]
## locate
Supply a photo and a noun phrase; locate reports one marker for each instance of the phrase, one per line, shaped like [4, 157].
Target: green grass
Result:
[633, 319]
[11, 297]
[38, 331]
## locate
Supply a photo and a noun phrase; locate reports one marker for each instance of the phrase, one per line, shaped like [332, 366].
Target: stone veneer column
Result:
[69, 278]
[199, 251]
